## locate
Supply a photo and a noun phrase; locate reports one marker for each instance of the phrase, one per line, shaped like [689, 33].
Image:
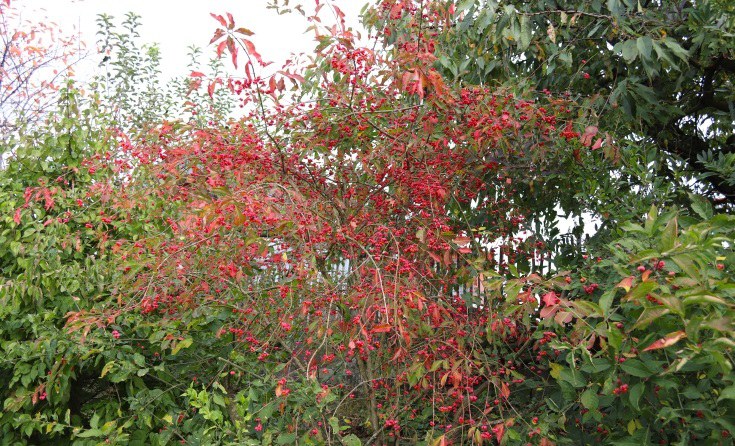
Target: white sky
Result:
[175, 25]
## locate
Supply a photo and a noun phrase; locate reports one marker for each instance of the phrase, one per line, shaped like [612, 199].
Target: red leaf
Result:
[504, 390]
[589, 133]
[563, 317]
[294, 76]
[221, 48]
[382, 328]
[218, 33]
[669, 340]
[548, 312]
[196, 74]
[194, 85]
[597, 144]
[625, 284]
[251, 50]
[461, 241]
[271, 85]
[397, 355]
[550, 299]
[219, 18]
[16, 217]
[499, 431]
[233, 50]
[244, 31]
[413, 82]
[645, 275]
[232, 21]
[210, 89]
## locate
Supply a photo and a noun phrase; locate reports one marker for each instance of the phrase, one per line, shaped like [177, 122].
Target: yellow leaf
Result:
[106, 369]
[631, 427]
[182, 344]
[555, 370]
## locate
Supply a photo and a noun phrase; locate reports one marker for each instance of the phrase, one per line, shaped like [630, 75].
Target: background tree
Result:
[657, 72]
[35, 59]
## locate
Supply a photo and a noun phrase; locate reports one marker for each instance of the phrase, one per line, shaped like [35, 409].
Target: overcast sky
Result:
[175, 25]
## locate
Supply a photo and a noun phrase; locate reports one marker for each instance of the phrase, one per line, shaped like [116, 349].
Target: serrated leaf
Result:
[645, 47]
[664, 55]
[701, 206]
[629, 51]
[677, 49]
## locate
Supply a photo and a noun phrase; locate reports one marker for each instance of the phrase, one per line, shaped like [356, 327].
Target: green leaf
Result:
[635, 394]
[645, 46]
[641, 290]
[669, 235]
[606, 301]
[90, 433]
[686, 264]
[705, 299]
[635, 367]
[727, 393]
[351, 440]
[334, 424]
[614, 338]
[678, 51]
[649, 315]
[701, 206]
[615, 7]
[651, 218]
[664, 55]
[464, 6]
[590, 400]
[289, 438]
[573, 377]
[629, 51]
[525, 36]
